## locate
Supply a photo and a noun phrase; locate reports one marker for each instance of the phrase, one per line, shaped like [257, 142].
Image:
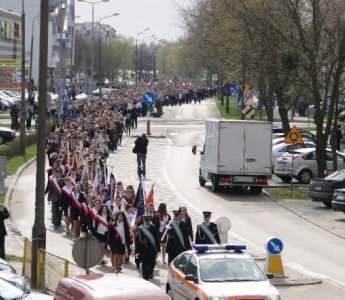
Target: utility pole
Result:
[39, 229]
[22, 102]
[62, 58]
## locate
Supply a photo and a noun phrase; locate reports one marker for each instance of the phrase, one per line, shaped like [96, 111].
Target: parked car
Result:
[108, 286]
[282, 148]
[10, 292]
[305, 134]
[6, 135]
[338, 202]
[304, 164]
[16, 280]
[322, 190]
[223, 273]
[6, 267]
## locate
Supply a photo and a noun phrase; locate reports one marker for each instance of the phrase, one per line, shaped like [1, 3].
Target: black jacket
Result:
[3, 215]
[201, 238]
[141, 144]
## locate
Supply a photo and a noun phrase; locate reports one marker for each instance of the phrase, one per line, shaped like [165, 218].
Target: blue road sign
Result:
[148, 98]
[274, 246]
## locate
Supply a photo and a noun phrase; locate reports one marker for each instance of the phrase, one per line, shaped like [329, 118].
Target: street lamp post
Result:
[136, 53]
[142, 65]
[92, 46]
[99, 52]
[22, 102]
[31, 47]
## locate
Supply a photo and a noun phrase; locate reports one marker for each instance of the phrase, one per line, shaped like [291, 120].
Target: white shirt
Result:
[121, 230]
[101, 229]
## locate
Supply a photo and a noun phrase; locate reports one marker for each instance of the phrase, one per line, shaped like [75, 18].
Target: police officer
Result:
[178, 239]
[207, 231]
[148, 246]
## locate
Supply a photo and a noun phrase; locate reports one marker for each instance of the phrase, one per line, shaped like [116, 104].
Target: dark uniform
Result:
[207, 232]
[148, 246]
[176, 244]
[54, 195]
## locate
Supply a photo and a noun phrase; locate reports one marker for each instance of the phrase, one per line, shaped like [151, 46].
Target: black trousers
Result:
[2, 246]
[148, 265]
[56, 214]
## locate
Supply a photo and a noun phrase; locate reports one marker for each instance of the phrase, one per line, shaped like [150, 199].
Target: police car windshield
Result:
[230, 269]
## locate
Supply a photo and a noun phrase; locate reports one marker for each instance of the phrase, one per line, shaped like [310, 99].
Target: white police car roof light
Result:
[211, 247]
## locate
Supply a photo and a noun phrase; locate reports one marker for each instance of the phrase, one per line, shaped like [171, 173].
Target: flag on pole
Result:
[139, 201]
[112, 183]
[149, 198]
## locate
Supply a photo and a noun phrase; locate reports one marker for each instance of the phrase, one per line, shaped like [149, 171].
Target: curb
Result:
[295, 280]
[16, 176]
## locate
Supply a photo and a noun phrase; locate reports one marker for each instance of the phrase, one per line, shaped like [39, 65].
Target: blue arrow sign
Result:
[274, 246]
[148, 98]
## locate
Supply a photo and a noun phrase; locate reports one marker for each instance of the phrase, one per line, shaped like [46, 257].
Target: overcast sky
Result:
[161, 16]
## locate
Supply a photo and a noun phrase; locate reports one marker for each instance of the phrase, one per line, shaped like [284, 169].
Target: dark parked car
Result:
[6, 135]
[322, 189]
[338, 202]
[305, 134]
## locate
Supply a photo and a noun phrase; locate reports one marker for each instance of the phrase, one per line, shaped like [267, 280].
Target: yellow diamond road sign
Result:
[293, 137]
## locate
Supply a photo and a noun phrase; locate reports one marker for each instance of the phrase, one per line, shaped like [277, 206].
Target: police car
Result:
[218, 273]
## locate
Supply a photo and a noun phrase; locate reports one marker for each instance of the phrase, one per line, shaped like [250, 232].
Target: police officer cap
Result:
[206, 213]
[147, 217]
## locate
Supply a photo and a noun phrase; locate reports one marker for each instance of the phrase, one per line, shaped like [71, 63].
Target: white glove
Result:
[168, 227]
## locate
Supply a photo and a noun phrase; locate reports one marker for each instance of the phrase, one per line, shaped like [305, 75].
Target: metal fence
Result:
[50, 268]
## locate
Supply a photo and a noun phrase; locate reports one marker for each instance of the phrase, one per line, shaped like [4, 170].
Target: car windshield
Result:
[338, 175]
[230, 269]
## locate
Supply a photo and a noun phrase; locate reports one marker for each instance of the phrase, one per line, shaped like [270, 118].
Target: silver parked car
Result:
[304, 164]
[282, 148]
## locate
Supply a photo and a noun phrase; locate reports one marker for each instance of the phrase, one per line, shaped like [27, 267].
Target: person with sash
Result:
[178, 239]
[66, 202]
[119, 239]
[207, 231]
[54, 188]
[77, 216]
[148, 246]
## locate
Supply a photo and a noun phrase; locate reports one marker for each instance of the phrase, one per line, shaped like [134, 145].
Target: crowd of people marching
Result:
[86, 200]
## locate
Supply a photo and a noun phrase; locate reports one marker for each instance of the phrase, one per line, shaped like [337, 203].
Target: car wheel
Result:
[327, 204]
[169, 292]
[286, 179]
[305, 176]
[1, 139]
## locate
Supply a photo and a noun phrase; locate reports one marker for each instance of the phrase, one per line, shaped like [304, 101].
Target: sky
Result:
[161, 16]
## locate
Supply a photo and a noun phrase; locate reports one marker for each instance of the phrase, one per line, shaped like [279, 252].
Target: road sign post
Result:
[148, 98]
[293, 137]
[274, 246]
[224, 225]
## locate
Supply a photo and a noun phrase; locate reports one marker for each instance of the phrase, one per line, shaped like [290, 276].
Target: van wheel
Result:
[327, 204]
[215, 187]
[202, 181]
[255, 189]
[169, 292]
[305, 176]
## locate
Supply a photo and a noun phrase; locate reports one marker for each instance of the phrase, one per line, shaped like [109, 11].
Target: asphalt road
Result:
[314, 237]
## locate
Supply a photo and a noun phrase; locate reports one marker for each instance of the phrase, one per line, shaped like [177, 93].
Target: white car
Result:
[282, 148]
[303, 162]
[218, 273]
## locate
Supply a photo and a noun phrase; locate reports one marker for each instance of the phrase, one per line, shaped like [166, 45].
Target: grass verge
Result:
[13, 258]
[14, 163]
[299, 193]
